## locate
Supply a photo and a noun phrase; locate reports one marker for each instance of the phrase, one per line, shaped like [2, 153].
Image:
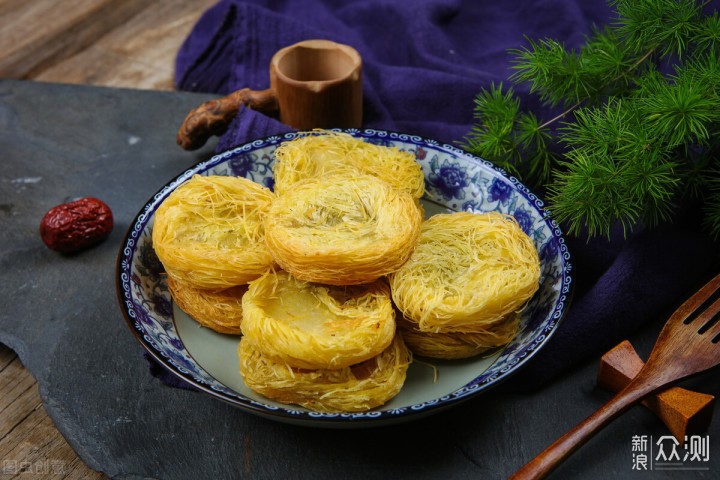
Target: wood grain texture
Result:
[43, 32]
[684, 412]
[116, 43]
[139, 53]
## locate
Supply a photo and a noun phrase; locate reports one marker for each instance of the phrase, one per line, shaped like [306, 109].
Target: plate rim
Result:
[372, 417]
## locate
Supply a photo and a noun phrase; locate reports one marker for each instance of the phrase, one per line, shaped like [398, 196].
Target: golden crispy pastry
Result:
[324, 152]
[208, 233]
[350, 389]
[342, 230]
[220, 310]
[455, 345]
[310, 325]
[468, 271]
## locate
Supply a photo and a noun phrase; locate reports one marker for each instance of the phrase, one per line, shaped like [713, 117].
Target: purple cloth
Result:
[423, 63]
[423, 60]
[161, 373]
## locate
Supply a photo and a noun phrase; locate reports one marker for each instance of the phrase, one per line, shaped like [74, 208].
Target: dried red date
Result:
[73, 226]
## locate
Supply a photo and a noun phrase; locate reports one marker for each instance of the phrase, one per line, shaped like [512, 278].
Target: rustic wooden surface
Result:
[118, 43]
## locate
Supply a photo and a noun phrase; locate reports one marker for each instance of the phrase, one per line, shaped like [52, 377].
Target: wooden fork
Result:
[687, 344]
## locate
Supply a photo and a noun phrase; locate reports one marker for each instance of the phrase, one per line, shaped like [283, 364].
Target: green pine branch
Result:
[633, 139]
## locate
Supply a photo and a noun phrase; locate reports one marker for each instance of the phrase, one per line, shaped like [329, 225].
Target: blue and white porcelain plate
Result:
[455, 181]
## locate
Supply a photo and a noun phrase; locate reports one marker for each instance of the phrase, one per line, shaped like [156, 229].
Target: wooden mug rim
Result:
[350, 72]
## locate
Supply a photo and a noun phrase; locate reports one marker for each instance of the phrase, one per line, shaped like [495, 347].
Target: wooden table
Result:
[118, 43]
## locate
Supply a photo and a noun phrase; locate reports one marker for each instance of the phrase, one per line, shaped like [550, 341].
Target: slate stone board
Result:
[60, 314]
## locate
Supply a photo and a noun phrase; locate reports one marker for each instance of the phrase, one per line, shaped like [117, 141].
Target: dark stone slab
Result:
[60, 314]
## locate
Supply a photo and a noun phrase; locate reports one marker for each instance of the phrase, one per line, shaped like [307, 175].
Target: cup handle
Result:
[214, 116]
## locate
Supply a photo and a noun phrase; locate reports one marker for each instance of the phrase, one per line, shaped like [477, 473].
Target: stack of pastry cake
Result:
[312, 274]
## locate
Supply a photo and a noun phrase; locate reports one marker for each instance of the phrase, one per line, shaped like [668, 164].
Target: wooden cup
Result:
[313, 84]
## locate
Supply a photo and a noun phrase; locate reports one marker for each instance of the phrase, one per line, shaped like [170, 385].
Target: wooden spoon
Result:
[687, 344]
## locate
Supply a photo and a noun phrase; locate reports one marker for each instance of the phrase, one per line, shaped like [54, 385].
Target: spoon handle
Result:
[540, 466]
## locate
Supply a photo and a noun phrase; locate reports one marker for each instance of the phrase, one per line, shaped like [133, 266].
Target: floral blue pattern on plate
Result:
[455, 180]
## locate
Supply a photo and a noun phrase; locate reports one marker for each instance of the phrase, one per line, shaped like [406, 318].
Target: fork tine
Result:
[714, 333]
[711, 328]
[708, 317]
[701, 301]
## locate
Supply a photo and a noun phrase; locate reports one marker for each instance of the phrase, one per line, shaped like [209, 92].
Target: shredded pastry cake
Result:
[342, 230]
[310, 325]
[323, 152]
[456, 345]
[355, 388]
[220, 310]
[208, 233]
[467, 272]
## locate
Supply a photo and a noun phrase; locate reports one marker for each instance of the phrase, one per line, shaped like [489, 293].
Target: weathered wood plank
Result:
[36, 35]
[16, 381]
[18, 406]
[39, 452]
[12, 446]
[138, 54]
